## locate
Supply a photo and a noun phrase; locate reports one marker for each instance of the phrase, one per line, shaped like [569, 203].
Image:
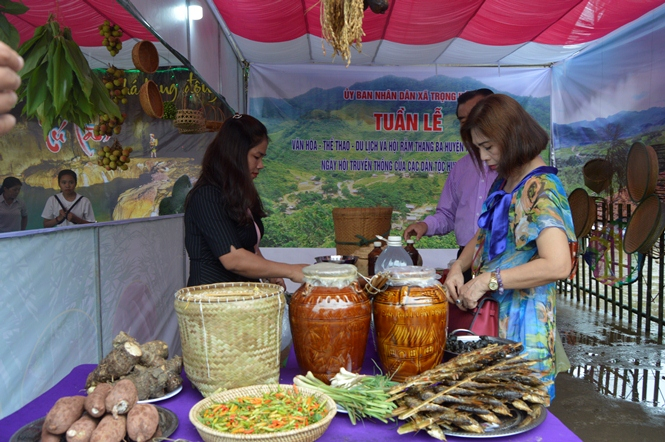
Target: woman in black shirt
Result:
[223, 210]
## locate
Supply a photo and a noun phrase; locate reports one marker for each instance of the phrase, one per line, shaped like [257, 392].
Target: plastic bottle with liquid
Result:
[413, 253]
[372, 257]
[393, 256]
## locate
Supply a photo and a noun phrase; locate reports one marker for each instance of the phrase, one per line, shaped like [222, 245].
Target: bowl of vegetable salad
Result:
[274, 412]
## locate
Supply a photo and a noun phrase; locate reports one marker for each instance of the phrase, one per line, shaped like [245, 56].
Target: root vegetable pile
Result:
[146, 365]
[71, 416]
[474, 393]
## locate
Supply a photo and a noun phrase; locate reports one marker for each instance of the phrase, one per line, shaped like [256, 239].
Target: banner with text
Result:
[367, 136]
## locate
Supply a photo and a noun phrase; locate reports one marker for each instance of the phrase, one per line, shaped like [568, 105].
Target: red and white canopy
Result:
[410, 32]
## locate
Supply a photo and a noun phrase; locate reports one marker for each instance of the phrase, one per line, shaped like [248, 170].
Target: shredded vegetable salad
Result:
[274, 411]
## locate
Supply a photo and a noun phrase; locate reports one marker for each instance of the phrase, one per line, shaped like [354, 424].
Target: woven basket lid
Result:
[597, 174]
[582, 208]
[641, 171]
[645, 226]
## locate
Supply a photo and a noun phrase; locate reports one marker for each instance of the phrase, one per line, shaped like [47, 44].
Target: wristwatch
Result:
[493, 285]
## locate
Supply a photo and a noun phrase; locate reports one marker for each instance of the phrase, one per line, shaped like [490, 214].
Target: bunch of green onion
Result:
[362, 396]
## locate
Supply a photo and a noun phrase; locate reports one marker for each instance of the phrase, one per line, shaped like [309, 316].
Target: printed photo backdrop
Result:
[607, 99]
[367, 137]
[160, 156]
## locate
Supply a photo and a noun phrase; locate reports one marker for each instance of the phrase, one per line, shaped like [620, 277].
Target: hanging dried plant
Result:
[342, 26]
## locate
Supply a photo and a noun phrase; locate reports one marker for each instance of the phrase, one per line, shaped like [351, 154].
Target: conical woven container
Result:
[597, 174]
[230, 334]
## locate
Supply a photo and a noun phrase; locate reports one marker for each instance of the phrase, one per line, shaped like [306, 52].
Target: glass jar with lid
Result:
[330, 318]
[410, 318]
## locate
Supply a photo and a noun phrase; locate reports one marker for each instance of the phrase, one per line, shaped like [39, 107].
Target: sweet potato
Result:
[48, 437]
[94, 402]
[142, 422]
[122, 397]
[110, 429]
[64, 413]
[81, 430]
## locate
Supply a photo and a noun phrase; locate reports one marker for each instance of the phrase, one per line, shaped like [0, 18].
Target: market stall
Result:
[551, 429]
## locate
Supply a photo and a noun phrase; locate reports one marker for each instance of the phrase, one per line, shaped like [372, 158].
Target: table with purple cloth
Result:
[340, 429]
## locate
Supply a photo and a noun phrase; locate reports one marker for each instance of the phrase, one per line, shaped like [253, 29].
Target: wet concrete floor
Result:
[615, 389]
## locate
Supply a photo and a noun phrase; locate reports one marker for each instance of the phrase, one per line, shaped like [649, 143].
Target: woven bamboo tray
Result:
[645, 226]
[306, 434]
[231, 334]
[641, 172]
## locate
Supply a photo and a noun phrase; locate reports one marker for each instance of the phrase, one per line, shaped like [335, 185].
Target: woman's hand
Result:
[453, 284]
[255, 266]
[298, 276]
[279, 281]
[473, 290]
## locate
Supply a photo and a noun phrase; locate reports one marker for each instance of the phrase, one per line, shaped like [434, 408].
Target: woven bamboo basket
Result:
[189, 121]
[230, 334]
[151, 99]
[145, 57]
[597, 174]
[358, 226]
[305, 434]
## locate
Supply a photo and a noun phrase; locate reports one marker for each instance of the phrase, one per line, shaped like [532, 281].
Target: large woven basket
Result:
[230, 334]
[306, 434]
[358, 226]
[641, 171]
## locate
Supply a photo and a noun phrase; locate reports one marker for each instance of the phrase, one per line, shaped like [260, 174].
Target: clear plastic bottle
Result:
[413, 253]
[372, 257]
[393, 256]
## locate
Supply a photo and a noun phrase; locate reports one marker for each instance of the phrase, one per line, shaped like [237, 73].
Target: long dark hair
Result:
[10, 182]
[225, 166]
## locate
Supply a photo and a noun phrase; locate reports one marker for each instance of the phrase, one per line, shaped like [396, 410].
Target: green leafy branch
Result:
[57, 82]
[8, 32]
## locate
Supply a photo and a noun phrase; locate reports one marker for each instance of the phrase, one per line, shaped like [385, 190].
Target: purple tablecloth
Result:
[340, 429]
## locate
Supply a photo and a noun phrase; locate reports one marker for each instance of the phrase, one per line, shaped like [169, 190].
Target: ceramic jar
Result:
[330, 317]
[410, 318]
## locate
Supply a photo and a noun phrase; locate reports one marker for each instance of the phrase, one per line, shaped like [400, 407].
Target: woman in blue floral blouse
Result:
[522, 245]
